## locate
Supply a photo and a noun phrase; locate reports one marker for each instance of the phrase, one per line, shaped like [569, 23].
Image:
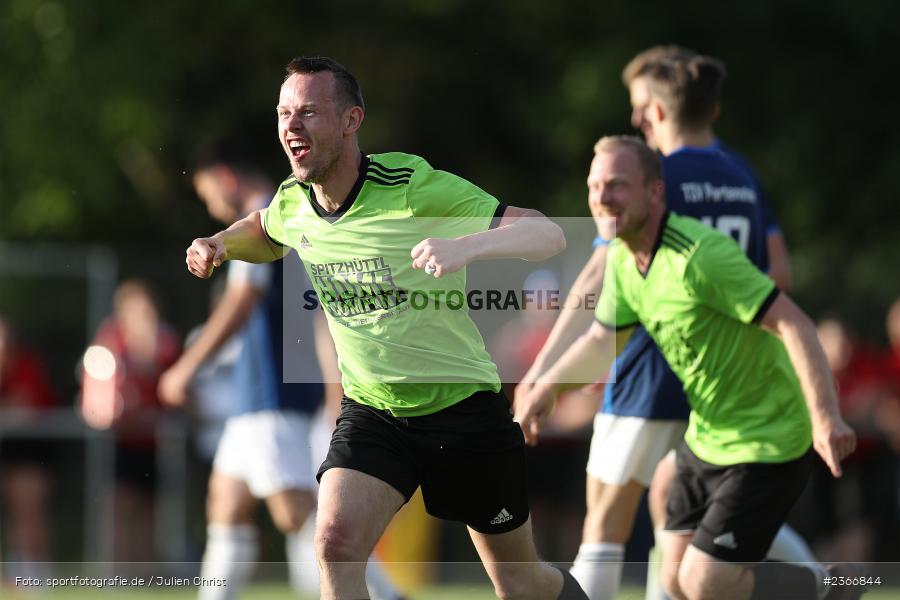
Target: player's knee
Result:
[690, 584]
[338, 542]
[705, 583]
[669, 580]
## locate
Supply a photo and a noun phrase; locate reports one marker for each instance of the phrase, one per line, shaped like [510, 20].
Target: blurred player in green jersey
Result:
[717, 320]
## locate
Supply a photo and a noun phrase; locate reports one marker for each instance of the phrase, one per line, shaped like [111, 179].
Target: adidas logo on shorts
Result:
[502, 517]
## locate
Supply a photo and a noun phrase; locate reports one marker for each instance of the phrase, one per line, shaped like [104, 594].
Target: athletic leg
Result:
[747, 505]
[511, 562]
[353, 511]
[231, 542]
[657, 496]
[611, 510]
[625, 452]
[291, 511]
[704, 577]
[674, 545]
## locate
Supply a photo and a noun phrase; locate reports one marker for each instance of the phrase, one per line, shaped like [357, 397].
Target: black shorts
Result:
[734, 511]
[469, 458]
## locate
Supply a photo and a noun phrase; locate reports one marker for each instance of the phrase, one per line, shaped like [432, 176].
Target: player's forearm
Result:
[530, 236]
[225, 321]
[245, 240]
[325, 350]
[779, 261]
[576, 314]
[799, 336]
[583, 363]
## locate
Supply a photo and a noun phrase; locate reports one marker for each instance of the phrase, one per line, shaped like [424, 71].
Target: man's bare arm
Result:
[522, 233]
[779, 261]
[581, 364]
[832, 438]
[244, 240]
[225, 320]
[575, 316]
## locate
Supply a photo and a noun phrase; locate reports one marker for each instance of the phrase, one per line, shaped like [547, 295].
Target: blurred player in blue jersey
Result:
[265, 452]
[674, 103]
[675, 100]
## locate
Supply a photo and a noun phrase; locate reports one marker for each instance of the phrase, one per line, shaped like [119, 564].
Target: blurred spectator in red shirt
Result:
[860, 509]
[121, 373]
[24, 477]
[857, 369]
[887, 414]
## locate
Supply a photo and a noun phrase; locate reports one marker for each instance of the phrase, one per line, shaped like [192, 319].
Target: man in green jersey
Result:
[717, 320]
[377, 234]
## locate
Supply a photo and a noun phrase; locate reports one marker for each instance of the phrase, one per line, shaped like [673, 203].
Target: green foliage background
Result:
[102, 103]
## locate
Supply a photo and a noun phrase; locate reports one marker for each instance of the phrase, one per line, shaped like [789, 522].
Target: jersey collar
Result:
[663, 223]
[331, 217]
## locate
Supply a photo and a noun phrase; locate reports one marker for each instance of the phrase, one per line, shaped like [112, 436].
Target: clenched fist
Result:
[204, 255]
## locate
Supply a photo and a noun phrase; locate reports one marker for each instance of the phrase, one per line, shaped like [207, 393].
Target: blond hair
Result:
[648, 160]
[638, 65]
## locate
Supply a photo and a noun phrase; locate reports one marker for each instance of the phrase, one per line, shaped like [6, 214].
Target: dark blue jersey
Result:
[769, 220]
[717, 187]
[259, 372]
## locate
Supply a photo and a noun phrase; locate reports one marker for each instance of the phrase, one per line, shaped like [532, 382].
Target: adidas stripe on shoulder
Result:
[382, 175]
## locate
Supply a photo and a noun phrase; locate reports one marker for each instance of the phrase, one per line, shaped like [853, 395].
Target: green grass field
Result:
[277, 591]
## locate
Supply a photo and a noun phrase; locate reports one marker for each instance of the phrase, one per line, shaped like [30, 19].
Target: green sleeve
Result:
[272, 222]
[613, 310]
[721, 276]
[434, 193]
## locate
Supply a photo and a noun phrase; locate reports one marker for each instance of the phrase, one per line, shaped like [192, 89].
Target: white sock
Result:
[654, 567]
[788, 546]
[598, 569]
[230, 554]
[301, 556]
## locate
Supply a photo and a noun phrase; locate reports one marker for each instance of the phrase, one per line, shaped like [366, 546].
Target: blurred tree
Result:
[104, 102]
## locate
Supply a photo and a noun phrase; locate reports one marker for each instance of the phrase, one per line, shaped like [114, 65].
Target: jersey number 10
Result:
[736, 226]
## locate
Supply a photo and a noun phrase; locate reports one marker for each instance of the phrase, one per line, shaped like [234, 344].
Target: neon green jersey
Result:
[698, 301]
[402, 344]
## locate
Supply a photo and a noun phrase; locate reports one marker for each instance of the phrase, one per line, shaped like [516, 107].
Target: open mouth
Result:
[298, 149]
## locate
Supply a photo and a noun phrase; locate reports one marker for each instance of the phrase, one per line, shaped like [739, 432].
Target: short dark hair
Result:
[240, 153]
[638, 65]
[347, 92]
[689, 88]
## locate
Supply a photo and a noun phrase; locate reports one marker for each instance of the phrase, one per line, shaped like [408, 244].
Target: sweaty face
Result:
[309, 126]
[639, 95]
[617, 194]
